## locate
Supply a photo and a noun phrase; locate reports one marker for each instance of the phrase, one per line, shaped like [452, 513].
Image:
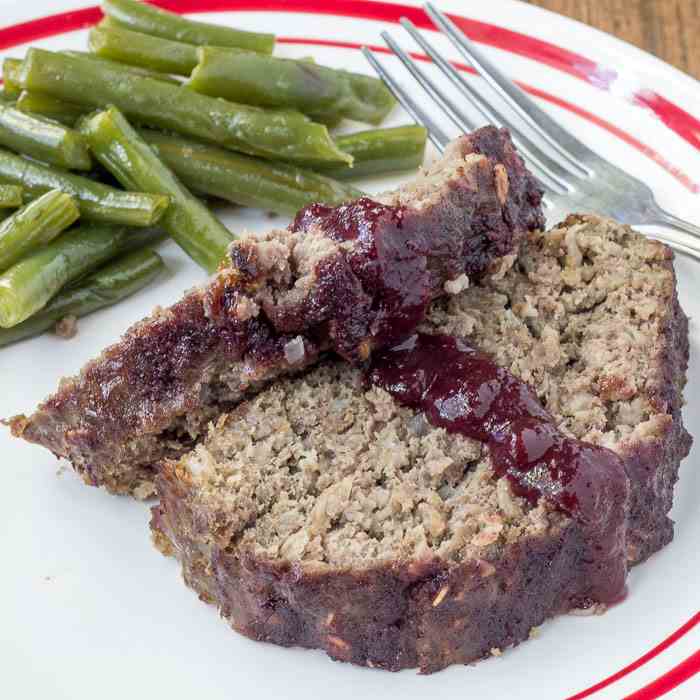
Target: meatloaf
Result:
[325, 513]
[345, 279]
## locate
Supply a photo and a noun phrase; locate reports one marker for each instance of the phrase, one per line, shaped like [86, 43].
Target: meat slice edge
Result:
[283, 300]
[324, 514]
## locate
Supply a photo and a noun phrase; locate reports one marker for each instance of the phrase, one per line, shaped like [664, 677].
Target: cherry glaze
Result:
[462, 390]
[345, 222]
[390, 260]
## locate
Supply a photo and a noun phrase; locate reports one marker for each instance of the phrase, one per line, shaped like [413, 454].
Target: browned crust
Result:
[122, 414]
[652, 465]
[427, 614]
[430, 614]
[110, 420]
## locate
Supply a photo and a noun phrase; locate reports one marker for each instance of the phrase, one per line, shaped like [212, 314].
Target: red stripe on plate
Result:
[682, 177]
[49, 26]
[675, 119]
[681, 673]
[658, 649]
[673, 116]
[676, 172]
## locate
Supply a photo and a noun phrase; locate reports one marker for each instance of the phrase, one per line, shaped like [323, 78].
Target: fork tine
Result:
[554, 170]
[438, 137]
[558, 138]
[682, 242]
[457, 116]
[486, 111]
[435, 133]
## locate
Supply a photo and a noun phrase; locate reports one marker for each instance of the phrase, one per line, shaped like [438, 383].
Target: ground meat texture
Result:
[279, 303]
[324, 514]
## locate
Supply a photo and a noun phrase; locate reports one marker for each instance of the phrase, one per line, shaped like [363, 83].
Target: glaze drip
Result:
[462, 390]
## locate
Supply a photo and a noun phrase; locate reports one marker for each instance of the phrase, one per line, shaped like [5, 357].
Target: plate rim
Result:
[626, 47]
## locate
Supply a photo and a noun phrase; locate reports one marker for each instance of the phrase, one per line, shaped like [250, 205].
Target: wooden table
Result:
[670, 29]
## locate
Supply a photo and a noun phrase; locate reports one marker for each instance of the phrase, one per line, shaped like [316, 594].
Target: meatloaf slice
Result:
[323, 513]
[347, 279]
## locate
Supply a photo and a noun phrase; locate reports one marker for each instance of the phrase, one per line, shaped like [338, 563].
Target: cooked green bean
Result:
[97, 202]
[35, 225]
[110, 41]
[138, 239]
[10, 196]
[11, 69]
[373, 91]
[130, 159]
[108, 286]
[380, 151]
[323, 93]
[142, 17]
[45, 106]
[137, 70]
[43, 139]
[276, 135]
[244, 180]
[30, 284]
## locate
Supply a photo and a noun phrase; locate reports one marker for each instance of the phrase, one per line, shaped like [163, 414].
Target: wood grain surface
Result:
[670, 29]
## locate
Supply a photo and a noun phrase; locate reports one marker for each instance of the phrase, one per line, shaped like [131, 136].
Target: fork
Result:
[573, 177]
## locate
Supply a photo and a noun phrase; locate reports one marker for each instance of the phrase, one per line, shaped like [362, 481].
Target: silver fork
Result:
[574, 177]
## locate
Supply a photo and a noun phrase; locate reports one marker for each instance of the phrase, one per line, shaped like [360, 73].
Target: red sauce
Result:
[347, 221]
[390, 261]
[462, 390]
[374, 292]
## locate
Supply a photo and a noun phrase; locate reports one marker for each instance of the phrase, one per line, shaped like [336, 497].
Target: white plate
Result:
[89, 609]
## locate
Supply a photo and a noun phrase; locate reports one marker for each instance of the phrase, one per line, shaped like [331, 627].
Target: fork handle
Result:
[661, 217]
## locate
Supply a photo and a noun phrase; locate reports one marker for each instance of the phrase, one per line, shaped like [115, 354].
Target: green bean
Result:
[10, 196]
[107, 286]
[244, 180]
[62, 112]
[380, 151]
[11, 69]
[138, 239]
[142, 17]
[136, 70]
[97, 202]
[130, 159]
[110, 41]
[43, 139]
[5, 98]
[30, 284]
[10, 199]
[35, 225]
[275, 135]
[323, 93]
